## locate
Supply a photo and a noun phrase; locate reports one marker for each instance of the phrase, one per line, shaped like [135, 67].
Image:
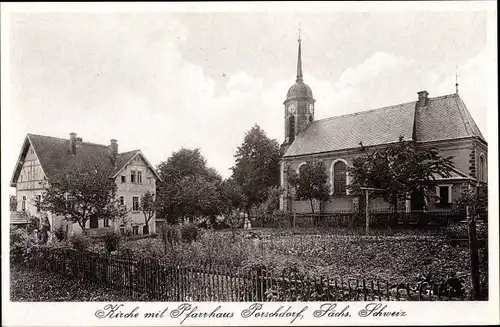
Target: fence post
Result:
[474, 260]
[367, 213]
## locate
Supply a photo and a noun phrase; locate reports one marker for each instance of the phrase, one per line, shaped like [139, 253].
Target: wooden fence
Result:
[378, 218]
[148, 279]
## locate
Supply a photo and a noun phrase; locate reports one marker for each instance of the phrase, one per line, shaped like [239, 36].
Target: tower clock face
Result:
[292, 109]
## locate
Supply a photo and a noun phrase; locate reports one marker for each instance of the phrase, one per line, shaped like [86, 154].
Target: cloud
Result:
[128, 77]
[371, 67]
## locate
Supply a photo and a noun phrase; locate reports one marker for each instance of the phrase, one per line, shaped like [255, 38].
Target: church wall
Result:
[339, 203]
[461, 151]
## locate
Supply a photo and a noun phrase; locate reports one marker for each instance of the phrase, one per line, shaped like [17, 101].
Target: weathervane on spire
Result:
[299, 39]
[456, 80]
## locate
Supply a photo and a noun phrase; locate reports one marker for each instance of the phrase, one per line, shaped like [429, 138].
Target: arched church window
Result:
[299, 167]
[339, 175]
[482, 168]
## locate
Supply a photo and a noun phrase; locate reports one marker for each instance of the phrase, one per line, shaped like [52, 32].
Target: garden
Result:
[394, 257]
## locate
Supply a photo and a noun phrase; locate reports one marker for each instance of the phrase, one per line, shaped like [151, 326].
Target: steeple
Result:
[299, 60]
[299, 104]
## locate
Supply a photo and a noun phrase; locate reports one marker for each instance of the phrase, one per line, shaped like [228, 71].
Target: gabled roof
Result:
[54, 156]
[443, 118]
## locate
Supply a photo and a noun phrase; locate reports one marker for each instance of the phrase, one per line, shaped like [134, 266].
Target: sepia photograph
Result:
[248, 156]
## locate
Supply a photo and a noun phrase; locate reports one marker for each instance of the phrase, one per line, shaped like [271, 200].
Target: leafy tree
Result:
[189, 188]
[122, 214]
[257, 166]
[476, 199]
[310, 182]
[399, 169]
[148, 207]
[80, 193]
[232, 197]
[13, 202]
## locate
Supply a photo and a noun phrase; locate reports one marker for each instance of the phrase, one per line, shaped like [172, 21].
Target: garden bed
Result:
[32, 285]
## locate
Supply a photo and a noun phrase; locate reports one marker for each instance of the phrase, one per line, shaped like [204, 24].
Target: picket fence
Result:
[378, 218]
[154, 279]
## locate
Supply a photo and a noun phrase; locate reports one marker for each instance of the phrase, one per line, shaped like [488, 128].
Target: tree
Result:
[310, 182]
[400, 170]
[122, 215]
[257, 166]
[13, 202]
[189, 188]
[232, 197]
[81, 193]
[148, 207]
[476, 200]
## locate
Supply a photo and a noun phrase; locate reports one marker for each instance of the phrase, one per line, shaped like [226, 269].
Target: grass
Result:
[32, 285]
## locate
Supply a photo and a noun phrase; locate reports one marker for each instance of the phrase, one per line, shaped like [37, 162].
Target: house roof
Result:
[455, 174]
[443, 118]
[53, 154]
[16, 218]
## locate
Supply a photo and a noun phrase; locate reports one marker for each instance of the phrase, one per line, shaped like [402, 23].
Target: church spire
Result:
[299, 60]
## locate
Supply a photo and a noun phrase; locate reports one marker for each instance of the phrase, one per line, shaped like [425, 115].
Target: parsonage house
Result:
[42, 157]
[443, 123]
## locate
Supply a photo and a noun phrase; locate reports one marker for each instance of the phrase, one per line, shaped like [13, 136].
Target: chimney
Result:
[72, 143]
[114, 149]
[422, 98]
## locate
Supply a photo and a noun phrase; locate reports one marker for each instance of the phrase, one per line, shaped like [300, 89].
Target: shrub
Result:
[111, 241]
[189, 233]
[170, 234]
[60, 234]
[20, 242]
[80, 242]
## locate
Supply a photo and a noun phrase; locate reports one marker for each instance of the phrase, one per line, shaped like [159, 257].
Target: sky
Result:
[162, 81]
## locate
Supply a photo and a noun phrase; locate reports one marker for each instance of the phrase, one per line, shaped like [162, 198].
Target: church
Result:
[442, 122]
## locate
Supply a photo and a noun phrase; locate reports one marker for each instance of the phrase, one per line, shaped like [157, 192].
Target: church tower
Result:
[299, 105]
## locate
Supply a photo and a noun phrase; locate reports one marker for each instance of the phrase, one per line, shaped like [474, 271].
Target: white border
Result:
[425, 313]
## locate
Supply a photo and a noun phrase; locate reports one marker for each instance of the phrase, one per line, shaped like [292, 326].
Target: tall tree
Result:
[399, 169]
[257, 166]
[189, 188]
[310, 182]
[232, 197]
[81, 193]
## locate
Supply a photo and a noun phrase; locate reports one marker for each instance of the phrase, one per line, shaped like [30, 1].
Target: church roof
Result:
[53, 154]
[443, 118]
